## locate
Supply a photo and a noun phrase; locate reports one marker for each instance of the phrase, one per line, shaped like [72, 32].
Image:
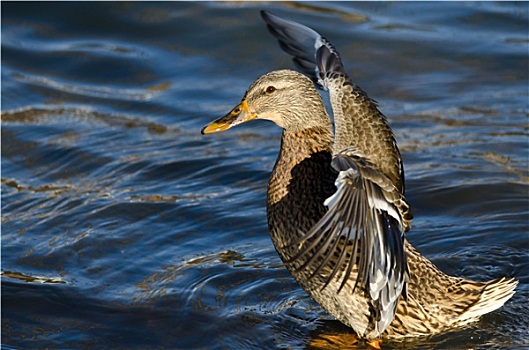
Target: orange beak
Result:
[238, 115]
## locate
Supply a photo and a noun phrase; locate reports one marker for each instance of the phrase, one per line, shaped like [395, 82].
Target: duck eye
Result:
[270, 89]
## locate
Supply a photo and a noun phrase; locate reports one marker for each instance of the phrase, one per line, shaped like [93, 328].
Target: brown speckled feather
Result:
[336, 207]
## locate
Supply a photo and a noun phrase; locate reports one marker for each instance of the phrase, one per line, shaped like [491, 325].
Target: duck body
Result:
[302, 179]
[336, 208]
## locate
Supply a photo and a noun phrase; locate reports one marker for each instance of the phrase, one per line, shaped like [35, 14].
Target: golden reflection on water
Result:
[157, 284]
[31, 279]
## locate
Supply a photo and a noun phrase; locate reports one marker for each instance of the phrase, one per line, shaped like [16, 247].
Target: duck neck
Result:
[301, 181]
[296, 147]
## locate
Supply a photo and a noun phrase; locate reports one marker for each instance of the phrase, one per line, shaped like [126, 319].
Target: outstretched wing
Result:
[361, 237]
[304, 43]
[356, 116]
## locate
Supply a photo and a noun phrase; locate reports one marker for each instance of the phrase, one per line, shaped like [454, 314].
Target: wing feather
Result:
[305, 45]
[360, 240]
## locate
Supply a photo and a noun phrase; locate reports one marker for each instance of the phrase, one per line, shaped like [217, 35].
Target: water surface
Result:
[123, 227]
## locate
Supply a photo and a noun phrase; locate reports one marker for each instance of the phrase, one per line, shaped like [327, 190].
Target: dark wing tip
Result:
[264, 14]
[313, 54]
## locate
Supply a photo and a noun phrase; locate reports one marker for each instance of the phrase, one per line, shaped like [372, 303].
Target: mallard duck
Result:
[337, 213]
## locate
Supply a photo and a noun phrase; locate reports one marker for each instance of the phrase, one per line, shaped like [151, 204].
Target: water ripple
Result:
[123, 227]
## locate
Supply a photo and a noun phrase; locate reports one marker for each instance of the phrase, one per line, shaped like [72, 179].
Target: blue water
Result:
[123, 227]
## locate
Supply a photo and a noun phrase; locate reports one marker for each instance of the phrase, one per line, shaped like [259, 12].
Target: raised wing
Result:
[360, 239]
[304, 44]
[357, 120]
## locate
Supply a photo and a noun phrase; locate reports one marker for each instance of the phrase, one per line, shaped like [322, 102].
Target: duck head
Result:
[285, 97]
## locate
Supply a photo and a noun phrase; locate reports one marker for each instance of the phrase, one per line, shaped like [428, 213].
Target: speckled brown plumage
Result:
[336, 208]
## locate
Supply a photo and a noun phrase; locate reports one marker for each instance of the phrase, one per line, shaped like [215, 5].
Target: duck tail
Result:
[493, 295]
